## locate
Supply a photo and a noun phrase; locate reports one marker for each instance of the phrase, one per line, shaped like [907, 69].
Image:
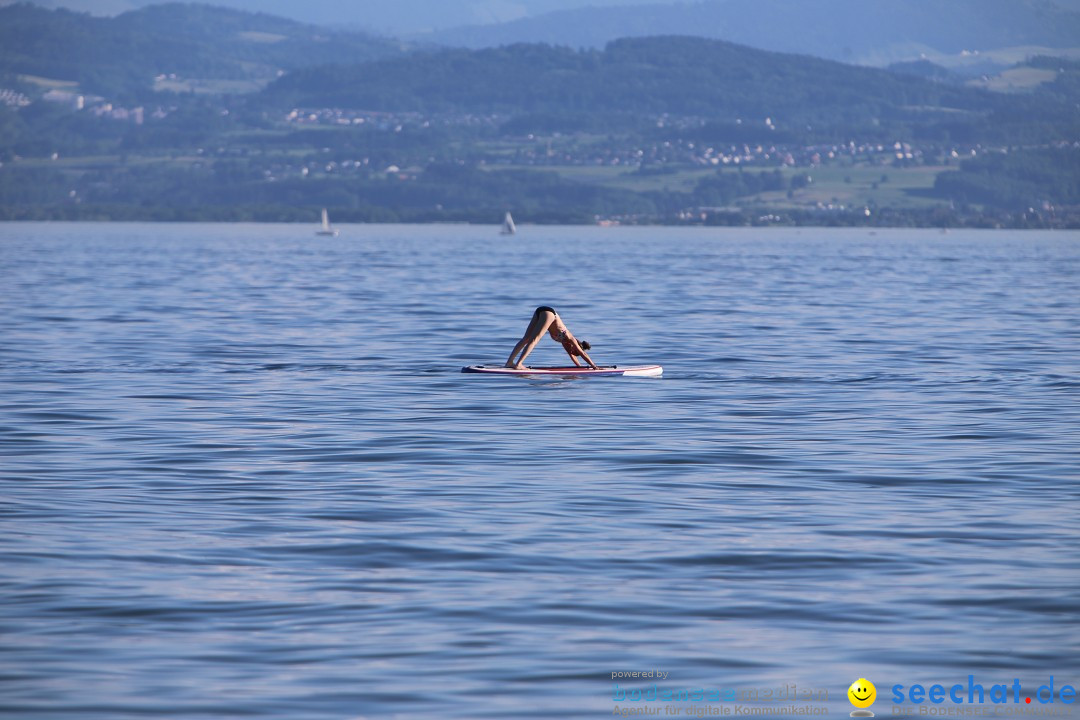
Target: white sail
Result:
[508, 227]
[326, 228]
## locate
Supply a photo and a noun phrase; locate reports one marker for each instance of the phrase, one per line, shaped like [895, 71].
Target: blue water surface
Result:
[242, 475]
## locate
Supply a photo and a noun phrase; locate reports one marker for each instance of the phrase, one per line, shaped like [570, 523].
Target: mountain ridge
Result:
[681, 75]
[399, 17]
[122, 54]
[855, 31]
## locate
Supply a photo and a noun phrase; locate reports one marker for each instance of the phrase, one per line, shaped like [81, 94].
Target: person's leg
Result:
[517, 348]
[541, 321]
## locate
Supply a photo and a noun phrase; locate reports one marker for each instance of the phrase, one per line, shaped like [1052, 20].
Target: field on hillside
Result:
[854, 185]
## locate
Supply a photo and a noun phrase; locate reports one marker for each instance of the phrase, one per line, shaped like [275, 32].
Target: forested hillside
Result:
[123, 55]
[636, 80]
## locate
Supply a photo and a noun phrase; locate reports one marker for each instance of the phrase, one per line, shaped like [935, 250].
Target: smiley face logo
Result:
[862, 693]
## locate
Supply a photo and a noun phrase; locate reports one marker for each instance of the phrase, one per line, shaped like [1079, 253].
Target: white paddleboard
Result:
[570, 371]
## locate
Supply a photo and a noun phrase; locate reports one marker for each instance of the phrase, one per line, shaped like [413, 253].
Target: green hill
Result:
[735, 88]
[122, 55]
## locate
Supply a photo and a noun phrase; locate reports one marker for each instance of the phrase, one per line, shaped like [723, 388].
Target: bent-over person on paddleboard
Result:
[545, 319]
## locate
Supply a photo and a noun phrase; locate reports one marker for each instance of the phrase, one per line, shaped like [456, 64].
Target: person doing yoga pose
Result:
[545, 319]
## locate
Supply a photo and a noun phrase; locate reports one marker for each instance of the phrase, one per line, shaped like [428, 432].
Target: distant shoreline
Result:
[495, 226]
[883, 219]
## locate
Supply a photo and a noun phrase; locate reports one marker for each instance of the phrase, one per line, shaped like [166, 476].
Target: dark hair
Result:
[585, 344]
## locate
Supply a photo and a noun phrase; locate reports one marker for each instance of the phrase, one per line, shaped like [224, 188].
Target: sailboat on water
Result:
[508, 227]
[326, 228]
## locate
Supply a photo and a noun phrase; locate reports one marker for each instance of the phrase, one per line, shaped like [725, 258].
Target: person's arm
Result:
[584, 354]
[575, 351]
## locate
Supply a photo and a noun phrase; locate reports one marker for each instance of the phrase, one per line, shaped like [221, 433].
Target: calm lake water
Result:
[242, 475]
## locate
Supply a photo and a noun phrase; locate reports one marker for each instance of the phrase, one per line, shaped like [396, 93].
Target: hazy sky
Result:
[393, 17]
[397, 17]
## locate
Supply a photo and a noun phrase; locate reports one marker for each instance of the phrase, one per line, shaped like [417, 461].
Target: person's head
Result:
[585, 345]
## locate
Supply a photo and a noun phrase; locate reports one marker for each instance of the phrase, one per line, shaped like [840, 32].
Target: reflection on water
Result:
[242, 475]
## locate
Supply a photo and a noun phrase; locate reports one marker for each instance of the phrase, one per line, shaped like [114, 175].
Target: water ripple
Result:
[242, 475]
